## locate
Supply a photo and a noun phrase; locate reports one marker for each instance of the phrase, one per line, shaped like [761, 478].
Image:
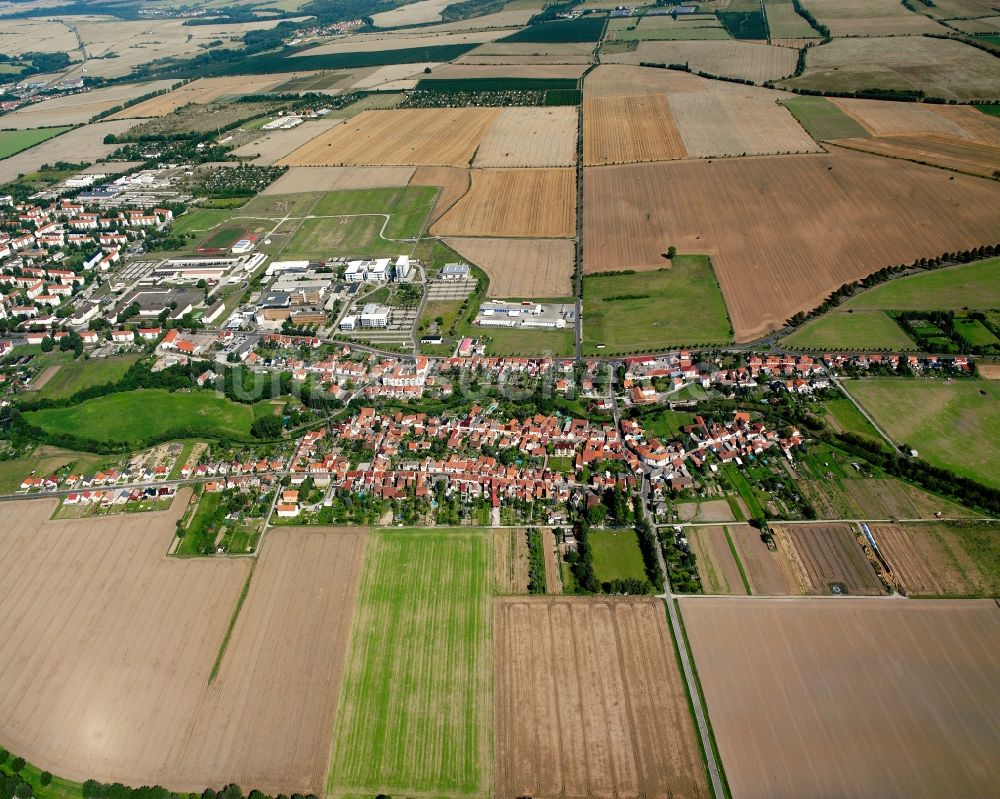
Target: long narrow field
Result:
[530, 137]
[516, 203]
[717, 567]
[589, 702]
[75, 109]
[339, 178]
[767, 572]
[870, 18]
[522, 267]
[410, 137]
[851, 698]
[201, 91]
[415, 714]
[755, 62]
[793, 250]
[827, 559]
[110, 649]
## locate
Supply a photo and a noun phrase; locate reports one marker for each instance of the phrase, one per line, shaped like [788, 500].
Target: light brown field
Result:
[929, 560]
[851, 697]
[411, 14]
[336, 178]
[713, 510]
[75, 109]
[388, 76]
[19, 36]
[793, 250]
[982, 25]
[716, 566]
[474, 71]
[989, 371]
[523, 60]
[553, 574]
[376, 42]
[589, 702]
[613, 80]
[276, 144]
[201, 91]
[828, 554]
[870, 18]
[452, 181]
[767, 572]
[629, 128]
[115, 644]
[509, 18]
[530, 137]
[515, 203]
[522, 267]
[510, 561]
[410, 137]
[563, 52]
[885, 118]
[973, 158]
[84, 143]
[734, 59]
[941, 68]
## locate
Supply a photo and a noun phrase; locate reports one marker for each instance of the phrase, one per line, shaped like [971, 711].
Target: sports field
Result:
[951, 424]
[135, 417]
[222, 238]
[850, 330]
[75, 376]
[14, 141]
[655, 310]
[975, 285]
[415, 712]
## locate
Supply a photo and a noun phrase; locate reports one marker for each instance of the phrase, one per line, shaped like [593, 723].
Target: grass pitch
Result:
[14, 141]
[415, 714]
[681, 305]
[952, 425]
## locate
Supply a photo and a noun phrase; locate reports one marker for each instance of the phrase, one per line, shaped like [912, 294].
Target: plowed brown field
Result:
[522, 267]
[408, 137]
[109, 645]
[830, 555]
[783, 232]
[716, 564]
[530, 137]
[589, 702]
[553, 575]
[851, 698]
[631, 128]
[516, 203]
[767, 572]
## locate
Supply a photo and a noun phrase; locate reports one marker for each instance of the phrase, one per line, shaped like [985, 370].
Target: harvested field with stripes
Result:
[276, 144]
[794, 250]
[515, 203]
[717, 567]
[827, 558]
[858, 697]
[410, 137]
[628, 129]
[530, 137]
[510, 561]
[300, 179]
[871, 18]
[522, 267]
[202, 91]
[757, 62]
[553, 575]
[589, 702]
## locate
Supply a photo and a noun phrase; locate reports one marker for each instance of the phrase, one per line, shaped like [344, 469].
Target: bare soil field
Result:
[553, 575]
[870, 18]
[767, 572]
[201, 91]
[453, 182]
[989, 371]
[530, 137]
[376, 42]
[734, 59]
[335, 178]
[410, 137]
[476, 71]
[629, 128]
[973, 158]
[522, 267]
[115, 647]
[716, 565]
[831, 556]
[387, 77]
[863, 697]
[940, 68]
[589, 702]
[886, 118]
[713, 510]
[510, 561]
[75, 109]
[267, 718]
[85, 142]
[929, 560]
[515, 203]
[276, 144]
[789, 255]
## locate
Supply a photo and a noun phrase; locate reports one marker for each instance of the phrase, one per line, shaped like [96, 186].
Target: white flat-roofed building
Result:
[375, 315]
[378, 271]
[355, 272]
[280, 267]
[455, 272]
[401, 271]
[349, 323]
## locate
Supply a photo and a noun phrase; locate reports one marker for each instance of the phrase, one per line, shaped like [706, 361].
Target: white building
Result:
[378, 271]
[374, 315]
[355, 272]
[455, 272]
[349, 323]
[401, 271]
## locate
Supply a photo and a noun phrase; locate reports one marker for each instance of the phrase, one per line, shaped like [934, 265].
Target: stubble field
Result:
[84, 143]
[274, 145]
[870, 18]
[792, 251]
[338, 178]
[822, 556]
[717, 567]
[522, 267]
[829, 697]
[756, 62]
[75, 109]
[516, 203]
[452, 181]
[411, 137]
[630, 128]
[530, 137]
[589, 702]
[201, 91]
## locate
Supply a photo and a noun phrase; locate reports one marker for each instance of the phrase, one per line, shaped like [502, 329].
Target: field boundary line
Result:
[739, 563]
[232, 623]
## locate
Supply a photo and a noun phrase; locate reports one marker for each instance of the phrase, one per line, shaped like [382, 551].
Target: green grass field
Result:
[616, 555]
[751, 497]
[975, 285]
[846, 418]
[667, 425]
[135, 417]
[844, 330]
[521, 341]
[953, 425]
[975, 332]
[200, 219]
[223, 237]
[678, 306]
[415, 711]
[823, 120]
[15, 141]
[77, 375]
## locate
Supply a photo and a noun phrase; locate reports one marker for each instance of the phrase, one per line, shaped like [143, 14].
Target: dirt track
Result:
[108, 646]
[589, 702]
